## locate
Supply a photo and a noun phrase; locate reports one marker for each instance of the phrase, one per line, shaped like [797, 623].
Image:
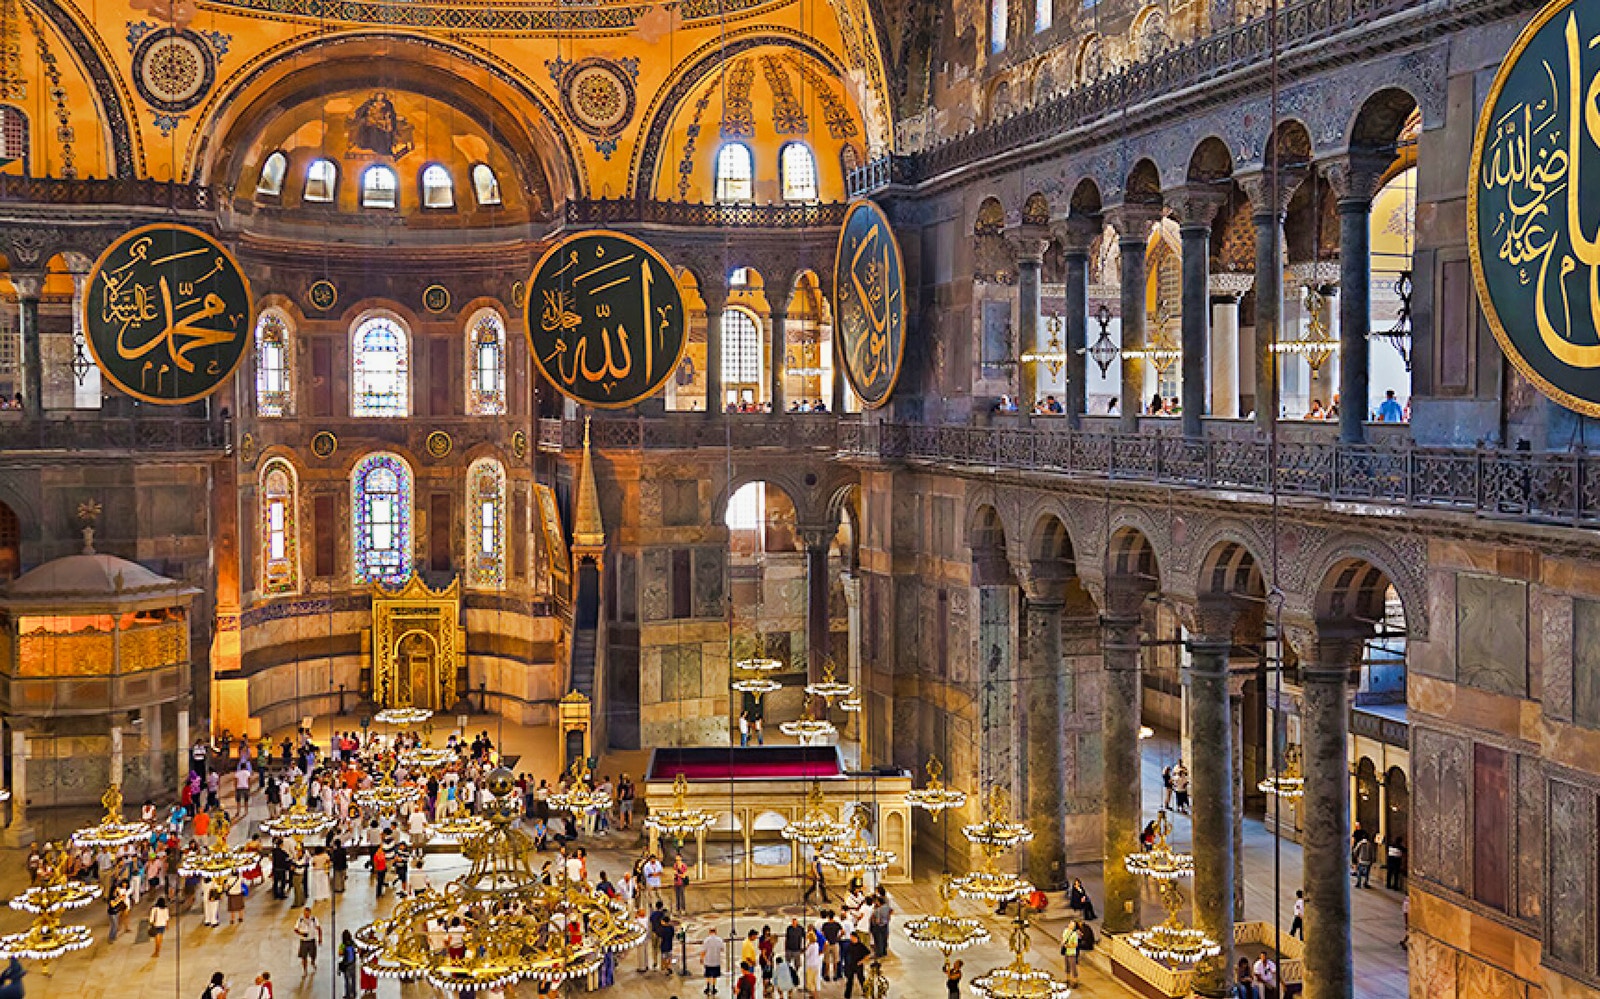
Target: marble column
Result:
[1120, 629]
[1076, 237]
[780, 342]
[1236, 684]
[116, 751]
[1325, 661]
[817, 541]
[1030, 261]
[183, 742]
[29, 287]
[1226, 290]
[19, 833]
[1269, 290]
[1046, 789]
[1133, 244]
[855, 720]
[152, 737]
[1355, 313]
[1197, 207]
[714, 399]
[1211, 770]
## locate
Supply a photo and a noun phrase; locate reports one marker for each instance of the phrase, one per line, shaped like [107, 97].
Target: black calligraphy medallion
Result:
[166, 313]
[605, 319]
[1533, 211]
[869, 304]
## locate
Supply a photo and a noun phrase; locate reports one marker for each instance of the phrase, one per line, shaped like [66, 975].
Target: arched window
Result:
[486, 364]
[799, 170]
[274, 367]
[735, 173]
[380, 383]
[322, 180]
[380, 491]
[999, 16]
[379, 187]
[437, 189]
[485, 185]
[741, 355]
[270, 183]
[280, 529]
[13, 136]
[1044, 14]
[486, 524]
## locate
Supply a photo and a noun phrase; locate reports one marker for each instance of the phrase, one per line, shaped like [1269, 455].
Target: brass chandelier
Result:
[517, 927]
[387, 796]
[806, 728]
[995, 834]
[298, 821]
[678, 820]
[815, 827]
[829, 686]
[46, 939]
[1287, 783]
[1019, 979]
[1171, 941]
[936, 797]
[996, 829]
[944, 929]
[111, 832]
[858, 854]
[402, 716]
[218, 860]
[580, 796]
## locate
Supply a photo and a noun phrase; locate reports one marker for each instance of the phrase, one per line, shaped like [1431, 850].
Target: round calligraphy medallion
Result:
[173, 69]
[440, 444]
[1532, 200]
[166, 313]
[598, 97]
[519, 444]
[605, 319]
[322, 295]
[436, 298]
[869, 304]
[324, 444]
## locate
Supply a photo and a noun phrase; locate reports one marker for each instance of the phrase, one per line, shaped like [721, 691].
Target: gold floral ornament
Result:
[111, 831]
[815, 827]
[527, 937]
[936, 797]
[678, 820]
[1019, 979]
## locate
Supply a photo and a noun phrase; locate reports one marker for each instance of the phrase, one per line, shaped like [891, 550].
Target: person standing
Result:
[160, 916]
[878, 922]
[338, 865]
[794, 943]
[348, 960]
[1180, 786]
[680, 881]
[213, 903]
[1393, 863]
[218, 988]
[234, 889]
[1363, 856]
[665, 932]
[854, 963]
[818, 882]
[1298, 927]
[380, 868]
[1069, 951]
[117, 909]
[309, 932]
[263, 989]
[711, 953]
[952, 979]
[784, 978]
[813, 963]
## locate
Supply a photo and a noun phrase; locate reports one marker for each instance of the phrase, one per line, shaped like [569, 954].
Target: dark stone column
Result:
[780, 339]
[1212, 774]
[1325, 663]
[1046, 789]
[1269, 287]
[1120, 628]
[715, 299]
[817, 541]
[1236, 683]
[1354, 179]
[1078, 235]
[29, 287]
[1197, 207]
[1133, 247]
[1030, 260]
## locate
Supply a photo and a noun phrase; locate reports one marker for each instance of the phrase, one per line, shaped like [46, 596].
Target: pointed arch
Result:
[278, 497]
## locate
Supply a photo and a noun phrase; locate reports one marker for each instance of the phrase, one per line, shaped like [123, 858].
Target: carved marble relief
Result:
[1492, 634]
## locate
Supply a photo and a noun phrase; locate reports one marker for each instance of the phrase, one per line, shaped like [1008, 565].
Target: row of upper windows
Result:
[380, 363]
[380, 184]
[797, 172]
[1044, 15]
[381, 494]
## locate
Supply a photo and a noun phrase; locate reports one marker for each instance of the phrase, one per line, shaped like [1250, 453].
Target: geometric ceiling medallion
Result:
[597, 96]
[173, 69]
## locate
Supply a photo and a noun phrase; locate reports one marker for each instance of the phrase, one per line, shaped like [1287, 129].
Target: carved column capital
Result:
[1326, 651]
[1030, 240]
[1076, 233]
[28, 284]
[1258, 187]
[1132, 220]
[816, 535]
[1196, 205]
[1232, 285]
[1354, 176]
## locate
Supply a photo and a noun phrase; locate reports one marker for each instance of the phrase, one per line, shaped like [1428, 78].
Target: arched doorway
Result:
[1369, 809]
[1397, 799]
[417, 670]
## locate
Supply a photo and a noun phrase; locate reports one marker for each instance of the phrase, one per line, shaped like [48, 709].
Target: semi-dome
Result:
[93, 578]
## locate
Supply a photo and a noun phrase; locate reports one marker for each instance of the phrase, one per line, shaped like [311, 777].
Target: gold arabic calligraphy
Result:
[138, 298]
[872, 342]
[590, 324]
[1536, 157]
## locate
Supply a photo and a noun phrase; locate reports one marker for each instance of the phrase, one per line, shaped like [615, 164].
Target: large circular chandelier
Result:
[517, 927]
[1287, 783]
[387, 797]
[858, 854]
[46, 939]
[678, 820]
[944, 929]
[806, 728]
[579, 797]
[996, 830]
[1019, 979]
[428, 757]
[402, 716]
[935, 797]
[756, 683]
[297, 821]
[219, 859]
[460, 827]
[829, 687]
[1161, 861]
[815, 827]
[990, 883]
[111, 832]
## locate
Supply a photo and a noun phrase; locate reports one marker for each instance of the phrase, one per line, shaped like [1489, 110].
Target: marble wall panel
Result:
[1529, 873]
[1477, 980]
[655, 594]
[1433, 968]
[1492, 634]
[680, 502]
[1441, 776]
[707, 582]
[1583, 687]
[1571, 829]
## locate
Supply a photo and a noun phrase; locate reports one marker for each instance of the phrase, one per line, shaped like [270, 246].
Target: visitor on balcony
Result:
[1389, 410]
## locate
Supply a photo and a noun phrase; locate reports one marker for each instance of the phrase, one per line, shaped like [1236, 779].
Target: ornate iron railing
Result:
[97, 434]
[683, 431]
[1511, 485]
[1300, 25]
[617, 211]
[134, 192]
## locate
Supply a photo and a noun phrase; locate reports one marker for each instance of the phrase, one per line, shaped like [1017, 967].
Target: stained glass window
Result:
[274, 388]
[280, 542]
[486, 364]
[735, 173]
[486, 524]
[485, 185]
[380, 363]
[381, 498]
[799, 170]
[270, 182]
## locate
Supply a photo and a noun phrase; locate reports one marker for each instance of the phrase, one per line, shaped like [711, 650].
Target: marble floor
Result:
[264, 941]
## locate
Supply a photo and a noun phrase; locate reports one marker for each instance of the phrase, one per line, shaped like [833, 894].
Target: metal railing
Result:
[618, 211]
[101, 434]
[1558, 488]
[136, 192]
[684, 431]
